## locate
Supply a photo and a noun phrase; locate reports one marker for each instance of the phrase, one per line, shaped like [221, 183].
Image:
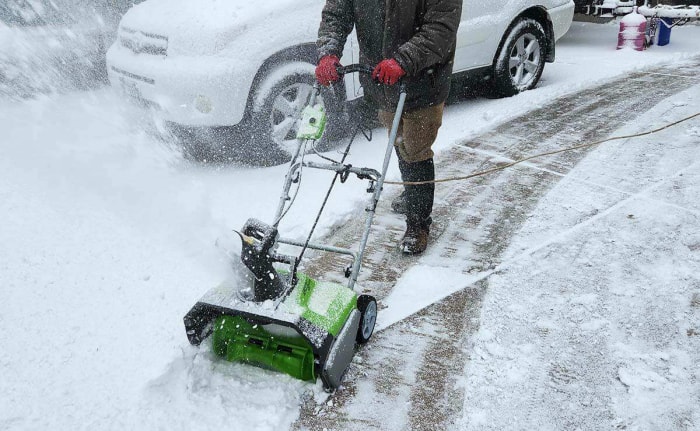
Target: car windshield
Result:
[28, 13]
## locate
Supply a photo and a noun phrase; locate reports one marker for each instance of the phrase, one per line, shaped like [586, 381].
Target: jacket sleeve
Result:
[434, 41]
[337, 21]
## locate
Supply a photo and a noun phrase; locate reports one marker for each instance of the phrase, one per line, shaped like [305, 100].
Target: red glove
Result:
[388, 72]
[326, 70]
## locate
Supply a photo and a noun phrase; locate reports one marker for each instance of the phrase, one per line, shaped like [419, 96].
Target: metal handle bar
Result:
[364, 68]
[354, 68]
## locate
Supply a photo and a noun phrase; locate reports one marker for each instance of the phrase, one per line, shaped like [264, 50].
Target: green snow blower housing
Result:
[237, 340]
[311, 330]
[324, 307]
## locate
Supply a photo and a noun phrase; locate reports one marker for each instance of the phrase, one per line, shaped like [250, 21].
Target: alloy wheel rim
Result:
[524, 60]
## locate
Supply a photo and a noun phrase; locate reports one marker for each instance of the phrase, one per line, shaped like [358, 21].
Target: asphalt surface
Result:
[408, 376]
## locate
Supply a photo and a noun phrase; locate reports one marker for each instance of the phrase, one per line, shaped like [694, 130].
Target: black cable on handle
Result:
[323, 205]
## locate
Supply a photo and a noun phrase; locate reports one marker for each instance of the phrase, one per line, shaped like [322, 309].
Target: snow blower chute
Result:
[277, 317]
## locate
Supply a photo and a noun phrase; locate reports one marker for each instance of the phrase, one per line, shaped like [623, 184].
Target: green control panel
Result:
[313, 121]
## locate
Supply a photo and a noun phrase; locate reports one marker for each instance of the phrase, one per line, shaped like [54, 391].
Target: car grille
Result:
[128, 84]
[140, 42]
[134, 76]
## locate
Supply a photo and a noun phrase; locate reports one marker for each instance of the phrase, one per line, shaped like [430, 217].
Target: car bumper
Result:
[207, 91]
[561, 16]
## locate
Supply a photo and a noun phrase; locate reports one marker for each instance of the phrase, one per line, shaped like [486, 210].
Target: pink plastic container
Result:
[633, 28]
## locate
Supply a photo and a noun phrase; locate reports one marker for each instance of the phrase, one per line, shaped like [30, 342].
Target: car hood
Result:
[200, 27]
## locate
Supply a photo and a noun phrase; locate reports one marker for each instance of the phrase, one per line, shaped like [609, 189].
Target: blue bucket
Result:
[664, 35]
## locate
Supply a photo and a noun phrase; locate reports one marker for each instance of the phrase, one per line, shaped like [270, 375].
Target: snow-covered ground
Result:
[591, 321]
[108, 238]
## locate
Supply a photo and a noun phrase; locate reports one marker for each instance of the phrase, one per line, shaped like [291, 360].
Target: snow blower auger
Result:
[278, 318]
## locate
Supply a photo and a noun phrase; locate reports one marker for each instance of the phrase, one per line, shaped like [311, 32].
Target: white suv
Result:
[209, 65]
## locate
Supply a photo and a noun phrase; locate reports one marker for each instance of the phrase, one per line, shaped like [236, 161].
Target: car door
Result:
[482, 20]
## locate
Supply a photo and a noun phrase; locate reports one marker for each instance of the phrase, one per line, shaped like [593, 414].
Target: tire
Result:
[520, 60]
[275, 120]
[367, 306]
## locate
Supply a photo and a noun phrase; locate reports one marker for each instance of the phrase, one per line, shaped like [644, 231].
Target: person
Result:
[409, 40]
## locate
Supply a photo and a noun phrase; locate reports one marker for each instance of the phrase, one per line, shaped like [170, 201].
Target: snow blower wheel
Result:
[368, 317]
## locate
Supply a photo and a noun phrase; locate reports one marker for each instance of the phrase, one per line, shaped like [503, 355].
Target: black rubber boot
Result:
[419, 204]
[419, 198]
[398, 205]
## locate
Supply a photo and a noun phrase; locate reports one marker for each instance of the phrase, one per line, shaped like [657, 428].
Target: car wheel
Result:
[520, 61]
[368, 317]
[276, 120]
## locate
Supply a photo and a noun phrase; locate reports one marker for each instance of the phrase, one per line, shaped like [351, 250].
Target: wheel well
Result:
[304, 52]
[540, 15]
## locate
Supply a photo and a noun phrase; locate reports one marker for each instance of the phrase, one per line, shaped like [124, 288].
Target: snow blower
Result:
[276, 317]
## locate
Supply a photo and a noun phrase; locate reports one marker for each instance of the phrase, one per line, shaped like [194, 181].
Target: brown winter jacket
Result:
[419, 34]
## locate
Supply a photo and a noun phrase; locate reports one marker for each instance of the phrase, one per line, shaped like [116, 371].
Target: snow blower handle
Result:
[364, 68]
[393, 133]
[355, 68]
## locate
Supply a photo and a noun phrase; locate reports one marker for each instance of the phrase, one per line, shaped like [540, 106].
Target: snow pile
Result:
[112, 241]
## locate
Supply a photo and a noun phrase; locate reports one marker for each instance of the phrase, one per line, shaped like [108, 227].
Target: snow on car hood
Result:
[206, 26]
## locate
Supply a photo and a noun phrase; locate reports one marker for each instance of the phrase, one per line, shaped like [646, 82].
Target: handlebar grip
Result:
[364, 68]
[354, 68]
